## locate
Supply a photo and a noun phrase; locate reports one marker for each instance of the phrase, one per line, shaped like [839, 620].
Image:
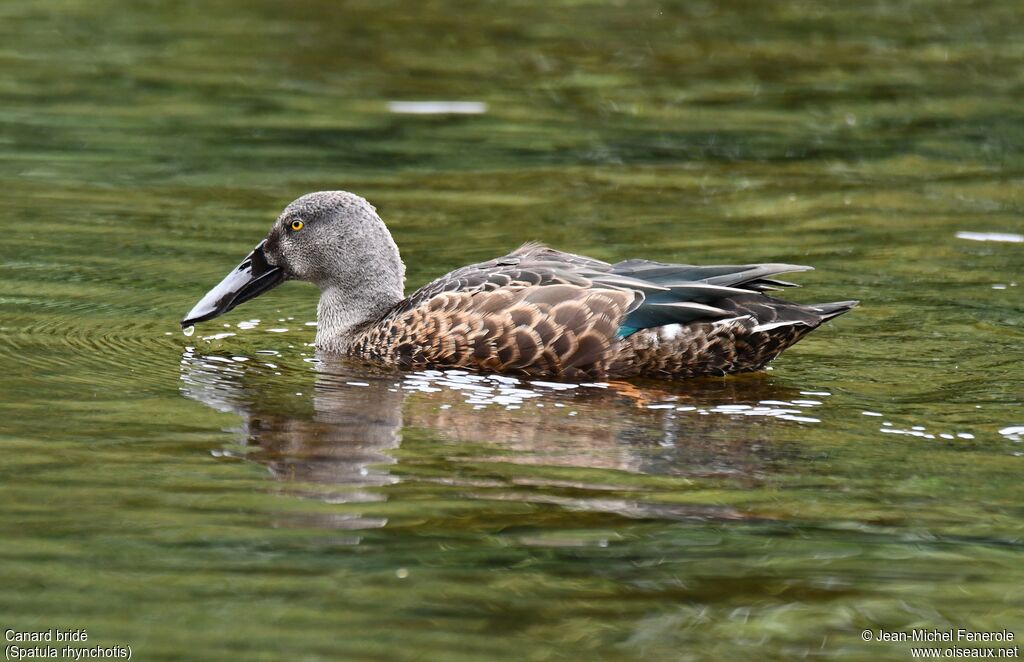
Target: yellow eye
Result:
[297, 225]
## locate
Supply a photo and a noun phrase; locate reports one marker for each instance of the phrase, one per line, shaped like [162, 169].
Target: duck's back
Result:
[543, 312]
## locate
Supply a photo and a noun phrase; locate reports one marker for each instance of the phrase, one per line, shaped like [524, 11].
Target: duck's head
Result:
[333, 239]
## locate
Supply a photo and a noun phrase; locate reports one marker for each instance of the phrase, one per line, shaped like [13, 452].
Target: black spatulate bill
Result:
[248, 280]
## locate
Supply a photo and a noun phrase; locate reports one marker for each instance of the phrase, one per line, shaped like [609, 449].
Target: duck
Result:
[536, 312]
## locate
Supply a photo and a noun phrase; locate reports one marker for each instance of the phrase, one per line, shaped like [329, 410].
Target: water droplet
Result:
[188, 330]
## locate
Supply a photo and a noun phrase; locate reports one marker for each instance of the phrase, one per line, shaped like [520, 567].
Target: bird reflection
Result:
[338, 441]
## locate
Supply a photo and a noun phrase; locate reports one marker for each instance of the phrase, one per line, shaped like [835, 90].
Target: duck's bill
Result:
[248, 280]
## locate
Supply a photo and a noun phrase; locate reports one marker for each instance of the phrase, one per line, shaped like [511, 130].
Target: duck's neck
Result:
[341, 314]
[366, 279]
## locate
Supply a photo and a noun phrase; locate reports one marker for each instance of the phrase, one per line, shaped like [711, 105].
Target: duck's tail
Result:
[835, 309]
[693, 321]
[743, 343]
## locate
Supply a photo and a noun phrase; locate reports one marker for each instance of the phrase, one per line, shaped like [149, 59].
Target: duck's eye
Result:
[297, 225]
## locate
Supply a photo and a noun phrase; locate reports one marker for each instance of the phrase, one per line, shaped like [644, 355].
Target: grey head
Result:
[333, 239]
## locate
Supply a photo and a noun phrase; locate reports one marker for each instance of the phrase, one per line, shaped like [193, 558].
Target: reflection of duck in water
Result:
[536, 311]
[349, 439]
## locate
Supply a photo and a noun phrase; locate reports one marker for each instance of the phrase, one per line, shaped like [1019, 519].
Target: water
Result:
[231, 494]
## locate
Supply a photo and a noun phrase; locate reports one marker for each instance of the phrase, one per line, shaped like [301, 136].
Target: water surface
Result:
[222, 495]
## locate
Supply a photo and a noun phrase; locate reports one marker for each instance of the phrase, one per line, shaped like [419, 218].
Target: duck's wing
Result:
[693, 293]
[532, 265]
[662, 293]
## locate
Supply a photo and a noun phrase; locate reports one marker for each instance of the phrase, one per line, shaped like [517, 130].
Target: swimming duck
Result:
[536, 311]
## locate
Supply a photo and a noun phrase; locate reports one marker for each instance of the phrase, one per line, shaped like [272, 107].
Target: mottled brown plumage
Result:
[562, 330]
[536, 311]
[542, 312]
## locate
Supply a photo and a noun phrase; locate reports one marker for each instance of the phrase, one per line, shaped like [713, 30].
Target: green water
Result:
[234, 498]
